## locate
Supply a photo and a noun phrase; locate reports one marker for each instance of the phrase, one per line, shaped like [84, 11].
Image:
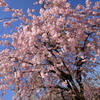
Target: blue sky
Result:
[23, 4]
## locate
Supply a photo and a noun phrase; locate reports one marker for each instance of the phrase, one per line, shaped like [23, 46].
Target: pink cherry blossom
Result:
[79, 7]
[52, 52]
[7, 24]
[3, 3]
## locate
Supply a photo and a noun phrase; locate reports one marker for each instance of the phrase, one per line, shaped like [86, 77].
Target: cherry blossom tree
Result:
[50, 52]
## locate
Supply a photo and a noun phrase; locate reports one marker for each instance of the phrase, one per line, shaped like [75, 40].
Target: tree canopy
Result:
[50, 53]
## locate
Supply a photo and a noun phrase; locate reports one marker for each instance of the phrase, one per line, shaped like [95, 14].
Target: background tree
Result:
[50, 52]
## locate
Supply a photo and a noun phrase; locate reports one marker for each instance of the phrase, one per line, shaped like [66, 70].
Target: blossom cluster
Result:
[39, 46]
